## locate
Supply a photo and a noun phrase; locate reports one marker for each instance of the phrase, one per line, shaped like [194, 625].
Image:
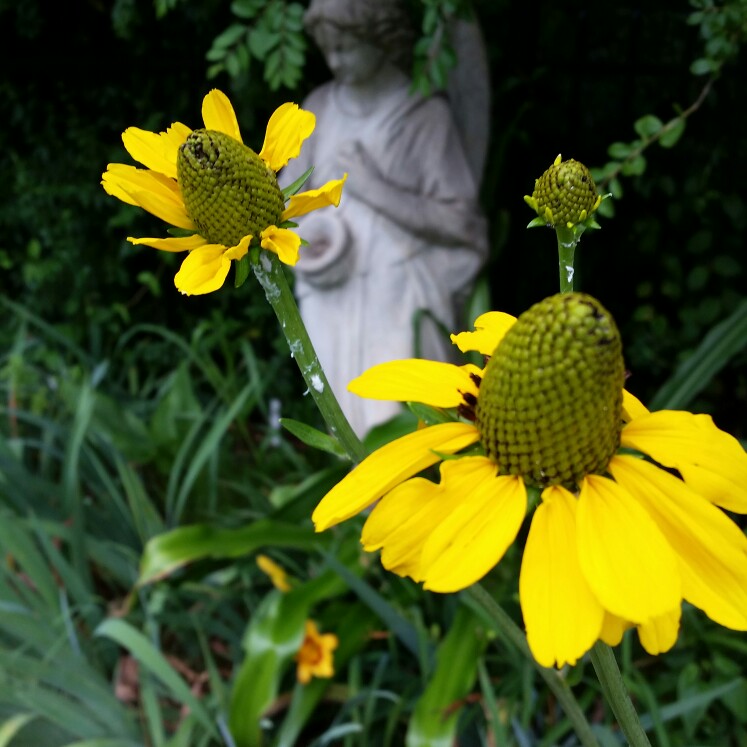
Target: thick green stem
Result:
[616, 694]
[506, 627]
[269, 271]
[567, 240]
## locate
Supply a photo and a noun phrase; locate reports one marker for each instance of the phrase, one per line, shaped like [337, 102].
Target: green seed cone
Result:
[550, 401]
[569, 192]
[227, 188]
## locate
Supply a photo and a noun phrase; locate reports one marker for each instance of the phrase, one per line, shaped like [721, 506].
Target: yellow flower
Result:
[275, 572]
[315, 658]
[628, 523]
[209, 183]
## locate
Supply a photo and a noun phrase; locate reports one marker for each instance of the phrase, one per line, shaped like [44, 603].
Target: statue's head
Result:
[383, 24]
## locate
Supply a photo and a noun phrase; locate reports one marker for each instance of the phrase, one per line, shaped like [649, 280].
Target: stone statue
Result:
[385, 274]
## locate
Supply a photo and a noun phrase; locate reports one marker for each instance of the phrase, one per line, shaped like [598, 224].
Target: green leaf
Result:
[634, 167]
[273, 636]
[725, 340]
[295, 187]
[619, 151]
[11, 726]
[313, 437]
[242, 271]
[648, 126]
[702, 66]
[230, 36]
[615, 188]
[170, 551]
[672, 132]
[434, 721]
[537, 222]
[150, 658]
[246, 8]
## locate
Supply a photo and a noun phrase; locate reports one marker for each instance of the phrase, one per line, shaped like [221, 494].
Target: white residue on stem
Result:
[317, 383]
[569, 272]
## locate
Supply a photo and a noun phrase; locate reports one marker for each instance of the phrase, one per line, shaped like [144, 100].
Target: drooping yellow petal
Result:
[632, 407]
[156, 150]
[288, 127]
[475, 535]
[562, 616]
[660, 634]
[313, 199]
[149, 190]
[389, 466]
[613, 628]
[711, 549]
[625, 559]
[490, 329]
[172, 244]
[275, 572]
[238, 251]
[414, 380]
[204, 270]
[400, 523]
[284, 242]
[711, 462]
[218, 114]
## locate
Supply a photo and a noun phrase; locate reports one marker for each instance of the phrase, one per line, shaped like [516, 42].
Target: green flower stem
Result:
[269, 271]
[559, 687]
[616, 694]
[567, 240]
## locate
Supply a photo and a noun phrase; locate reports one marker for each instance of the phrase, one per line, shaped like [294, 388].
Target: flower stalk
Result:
[269, 272]
[567, 241]
[616, 694]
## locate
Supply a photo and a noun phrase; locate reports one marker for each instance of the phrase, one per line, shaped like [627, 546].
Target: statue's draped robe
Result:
[391, 275]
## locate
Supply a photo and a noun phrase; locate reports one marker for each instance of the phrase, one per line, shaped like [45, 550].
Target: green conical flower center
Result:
[565, 193]
[550, 401]
[228, 190]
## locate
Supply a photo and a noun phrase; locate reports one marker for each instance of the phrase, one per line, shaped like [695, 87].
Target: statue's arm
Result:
[430, 190]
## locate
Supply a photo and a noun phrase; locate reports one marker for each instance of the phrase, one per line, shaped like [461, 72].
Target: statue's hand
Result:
[360, 165]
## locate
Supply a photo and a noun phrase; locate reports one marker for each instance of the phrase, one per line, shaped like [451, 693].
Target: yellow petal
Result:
[613, 628]
[414, 380]
[660, 634]
[238, 251]
[288, 127]
[711, 462]
[625, 559]
[472, 539]
[181, 244]
[204, 270]
[389, 466]
[313, 199]
[284, 242]
[149, 190]
[218, 114]
[400, 523]
[156, 151]
[489, 331]
[275, 572]
[711, 549]
[562, 616]
[632, 407]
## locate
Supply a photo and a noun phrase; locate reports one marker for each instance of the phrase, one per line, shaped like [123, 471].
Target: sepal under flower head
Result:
[550, 400]
[228, 190]
[565, 194]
